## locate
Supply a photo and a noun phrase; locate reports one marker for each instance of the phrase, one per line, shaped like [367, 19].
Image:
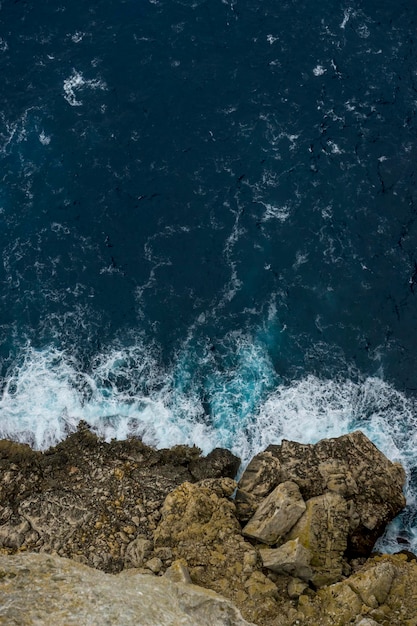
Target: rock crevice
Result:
[289, 544]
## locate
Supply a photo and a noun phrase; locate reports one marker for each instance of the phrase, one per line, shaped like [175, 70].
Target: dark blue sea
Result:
[208, 217]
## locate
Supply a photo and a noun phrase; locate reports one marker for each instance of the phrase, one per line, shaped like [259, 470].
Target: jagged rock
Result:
[125, 505]
[89, 499]
[199, 524]
[384, 591]
[217, 464]
[323, 530]
[276, 515]
[262, 474]
[354, 468]
[259, 478]
[52, 591]
[292, 558]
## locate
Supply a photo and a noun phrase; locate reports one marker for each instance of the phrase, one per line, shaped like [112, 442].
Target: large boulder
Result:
[350, 466]
[343, 493]
[353, 467]
[199, 525]
[323, 530]
[53, 591]
[260, 477]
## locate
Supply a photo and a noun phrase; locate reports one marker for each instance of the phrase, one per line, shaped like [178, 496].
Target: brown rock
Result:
[323, 530]
[178, 572]
[354, 468]
[292, 558]
[384, 591]
[276, 514]
[199, 524]
[217, 464]
[87, 498]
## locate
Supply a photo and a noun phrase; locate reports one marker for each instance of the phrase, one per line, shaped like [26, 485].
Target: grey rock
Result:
[137, 552]
[324, 529]
[49, 590]
[155, 565]
[261, 475]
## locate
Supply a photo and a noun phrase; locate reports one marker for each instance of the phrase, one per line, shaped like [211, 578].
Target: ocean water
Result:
[209, 224]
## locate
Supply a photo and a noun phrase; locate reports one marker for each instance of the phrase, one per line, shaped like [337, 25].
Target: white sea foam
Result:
[319, 70]
[127, 393]
[76, 83]
[44, 139]
[281, 213]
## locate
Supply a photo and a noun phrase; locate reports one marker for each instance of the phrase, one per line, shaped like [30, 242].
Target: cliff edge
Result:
[291, 543]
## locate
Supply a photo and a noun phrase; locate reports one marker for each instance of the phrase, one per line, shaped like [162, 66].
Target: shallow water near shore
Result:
[209, 224]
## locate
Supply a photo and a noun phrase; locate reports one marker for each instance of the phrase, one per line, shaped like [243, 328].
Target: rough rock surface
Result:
[384, 592]
[53, 591]
[351, 491]
[198, 524]
[353, 467]
[292, 558]
[276, 514]
[126, 506]
[323, 529]
[95, 502]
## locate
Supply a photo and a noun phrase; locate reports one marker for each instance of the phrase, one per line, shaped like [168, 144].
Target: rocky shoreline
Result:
[178, 540]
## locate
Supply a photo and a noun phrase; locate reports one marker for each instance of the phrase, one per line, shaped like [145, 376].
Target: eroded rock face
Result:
[300, 515]
[353, 467]
[199, 524]
[93, 501]
[52, 591]
[384, 591]
[348, 491]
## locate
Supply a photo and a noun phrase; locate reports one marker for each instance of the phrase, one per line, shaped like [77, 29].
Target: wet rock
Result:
[276, 514]
[217, 464]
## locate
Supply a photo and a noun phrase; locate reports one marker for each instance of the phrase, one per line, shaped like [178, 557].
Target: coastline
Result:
[293, 536]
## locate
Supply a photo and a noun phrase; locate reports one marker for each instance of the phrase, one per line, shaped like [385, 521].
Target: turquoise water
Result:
[209, 223]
